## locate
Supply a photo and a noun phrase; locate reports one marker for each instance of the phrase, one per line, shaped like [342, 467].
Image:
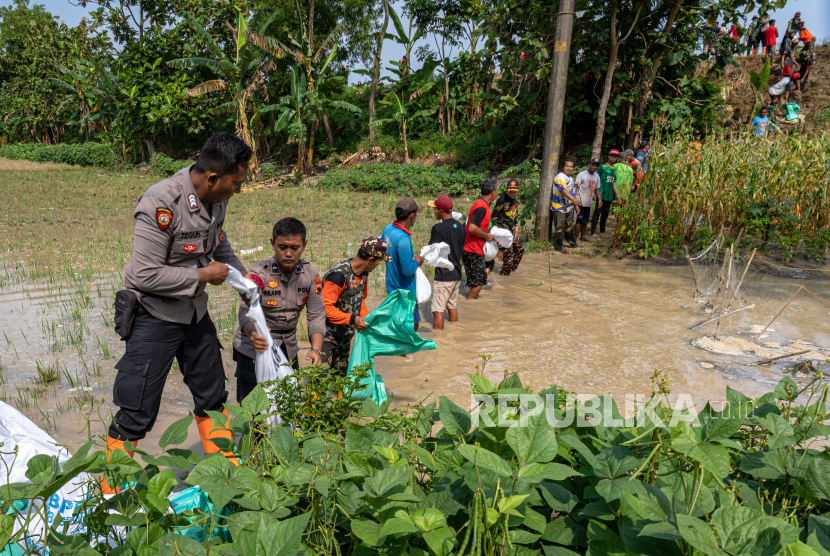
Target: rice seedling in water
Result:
[47, 373]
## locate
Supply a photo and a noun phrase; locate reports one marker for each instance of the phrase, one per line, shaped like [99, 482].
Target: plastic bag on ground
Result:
[18, 433]
[437, 255]
[422, 287]
[391, 331]
[503, 236]
[270, 364]
[491, 249]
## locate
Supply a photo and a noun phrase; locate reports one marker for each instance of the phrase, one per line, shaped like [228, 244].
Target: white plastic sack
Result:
[491, 249]
[437, 255]
[17, 431]
[458, 216]
[503, 236]
[423, 291]
[271, 364]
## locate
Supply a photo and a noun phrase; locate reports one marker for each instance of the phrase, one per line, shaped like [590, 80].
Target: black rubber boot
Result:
[559, 246]
[571, 237]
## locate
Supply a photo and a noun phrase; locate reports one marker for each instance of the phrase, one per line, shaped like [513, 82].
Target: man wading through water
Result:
[477, 222]
[180, 247]
[563, 203]
[506, 215]
[286, 283]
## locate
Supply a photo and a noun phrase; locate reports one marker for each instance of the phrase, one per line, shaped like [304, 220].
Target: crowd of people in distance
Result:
[761, 37]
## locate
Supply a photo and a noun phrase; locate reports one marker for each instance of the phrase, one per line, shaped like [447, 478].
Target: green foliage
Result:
[165, 166]
[416, 179]
[526, 476]
[83, 154]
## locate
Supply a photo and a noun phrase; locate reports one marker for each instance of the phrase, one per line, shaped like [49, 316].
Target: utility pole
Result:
[556, 108]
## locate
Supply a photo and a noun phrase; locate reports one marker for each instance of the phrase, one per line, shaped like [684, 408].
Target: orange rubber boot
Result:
[208, 431]
[112, 445]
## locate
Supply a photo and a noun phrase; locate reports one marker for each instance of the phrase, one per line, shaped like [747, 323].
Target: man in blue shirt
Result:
[642, 154]
[400, 271]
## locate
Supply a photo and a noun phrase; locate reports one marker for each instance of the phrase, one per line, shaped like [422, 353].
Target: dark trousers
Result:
[246, 373]
[601, 214]
[143, 370]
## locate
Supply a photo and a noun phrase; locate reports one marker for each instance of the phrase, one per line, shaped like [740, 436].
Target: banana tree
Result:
[243, 75]
[399, 106]
[308, 58]
[407, 39]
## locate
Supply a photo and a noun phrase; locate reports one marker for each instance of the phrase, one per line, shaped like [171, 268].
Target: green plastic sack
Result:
[194, 498]
[391, 331]
[792, 111]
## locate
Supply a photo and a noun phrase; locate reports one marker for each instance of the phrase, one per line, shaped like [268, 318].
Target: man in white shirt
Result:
[781, 88]
[587, 189]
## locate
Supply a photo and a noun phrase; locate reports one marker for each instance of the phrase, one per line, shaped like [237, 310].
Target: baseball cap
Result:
[614, 151]
[628, 152]
[644, 143]
[697, 132]
[443, 203]
[797, 14]
[595, 161]
[407, 204]
[374, 247]
[513, 185]
[754, 17]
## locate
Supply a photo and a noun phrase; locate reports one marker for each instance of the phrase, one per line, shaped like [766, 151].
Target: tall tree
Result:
[376, 70]
[609, 74]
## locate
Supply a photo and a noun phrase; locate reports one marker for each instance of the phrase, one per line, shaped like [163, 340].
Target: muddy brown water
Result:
[605, 328]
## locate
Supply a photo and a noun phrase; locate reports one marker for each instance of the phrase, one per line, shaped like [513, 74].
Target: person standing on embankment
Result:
[180, 247]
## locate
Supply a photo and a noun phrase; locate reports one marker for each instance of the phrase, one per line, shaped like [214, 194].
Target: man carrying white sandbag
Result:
[400, 270]
[446, 284]
[286, 283]
[478, 224]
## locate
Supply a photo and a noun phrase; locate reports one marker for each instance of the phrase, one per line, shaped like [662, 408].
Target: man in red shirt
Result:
[478, 226]
[770, 40]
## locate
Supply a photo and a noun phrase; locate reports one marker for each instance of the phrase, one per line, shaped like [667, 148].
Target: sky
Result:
[815, 13]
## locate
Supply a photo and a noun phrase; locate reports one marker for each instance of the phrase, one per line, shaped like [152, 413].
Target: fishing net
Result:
[718, 273]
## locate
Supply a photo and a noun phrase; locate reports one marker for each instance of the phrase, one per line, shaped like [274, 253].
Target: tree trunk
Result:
[646, 81]
[447, 96]
[609, 78]
[405, 146]
[311, 24]
[329, 134]
[308, 168]
[376, 71]
[151, 146]
[555, 112]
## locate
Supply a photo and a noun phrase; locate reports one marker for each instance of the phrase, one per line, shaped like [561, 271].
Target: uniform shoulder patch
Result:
[192, 202]
[257, 280]
[318, 285]
[163, 217]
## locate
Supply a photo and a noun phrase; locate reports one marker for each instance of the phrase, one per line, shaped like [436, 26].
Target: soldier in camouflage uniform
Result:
[345, 287]
[506, 215]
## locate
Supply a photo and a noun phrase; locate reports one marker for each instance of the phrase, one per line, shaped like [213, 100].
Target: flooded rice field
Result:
[589, 325]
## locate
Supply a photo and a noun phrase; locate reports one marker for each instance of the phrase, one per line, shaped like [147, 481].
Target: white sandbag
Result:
[491, 249]
[270, 364]
[458, 216]
[437, 255]
[503, 236]
[18, 434]
[423, 291]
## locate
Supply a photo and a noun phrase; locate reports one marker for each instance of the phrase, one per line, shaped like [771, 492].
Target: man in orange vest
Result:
[808, 40]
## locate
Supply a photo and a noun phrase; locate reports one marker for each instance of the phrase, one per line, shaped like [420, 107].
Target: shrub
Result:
[163, 165]
[413, 179]
[81, 154]
[559, 477]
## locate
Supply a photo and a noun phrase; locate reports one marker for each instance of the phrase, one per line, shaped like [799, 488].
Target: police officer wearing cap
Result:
[180, 247]
[286, 284]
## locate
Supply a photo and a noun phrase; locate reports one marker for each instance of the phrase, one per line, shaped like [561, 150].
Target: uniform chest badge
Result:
[191, 200]
[271, 302]
[304, 301]
[190, 247]
[273, 284]
[318, 285]
[257, 280]
[221, 236]
[163, 217]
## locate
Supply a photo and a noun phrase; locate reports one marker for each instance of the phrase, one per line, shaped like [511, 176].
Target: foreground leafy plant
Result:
[524, 474]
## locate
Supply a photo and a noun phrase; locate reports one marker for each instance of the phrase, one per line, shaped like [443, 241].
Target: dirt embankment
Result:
[740, 97]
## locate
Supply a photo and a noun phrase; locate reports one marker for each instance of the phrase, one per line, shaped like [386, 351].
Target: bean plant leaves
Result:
[819, 534]
[486, 459]
[456, 421]
[176, 433]
[534, 443]
[368, 531]
[286, 445]
[441, 540]
[387, 478]
[714, 457]
[818, 478]
[698, 534]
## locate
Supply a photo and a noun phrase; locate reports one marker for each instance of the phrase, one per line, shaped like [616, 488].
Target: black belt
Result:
[286, 331]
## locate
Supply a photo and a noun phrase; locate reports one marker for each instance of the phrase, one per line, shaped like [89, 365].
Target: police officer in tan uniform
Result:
[286, 283]
[180, 247]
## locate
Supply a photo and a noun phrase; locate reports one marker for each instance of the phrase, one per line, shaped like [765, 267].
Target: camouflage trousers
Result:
[336, 351]
[512, 256]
